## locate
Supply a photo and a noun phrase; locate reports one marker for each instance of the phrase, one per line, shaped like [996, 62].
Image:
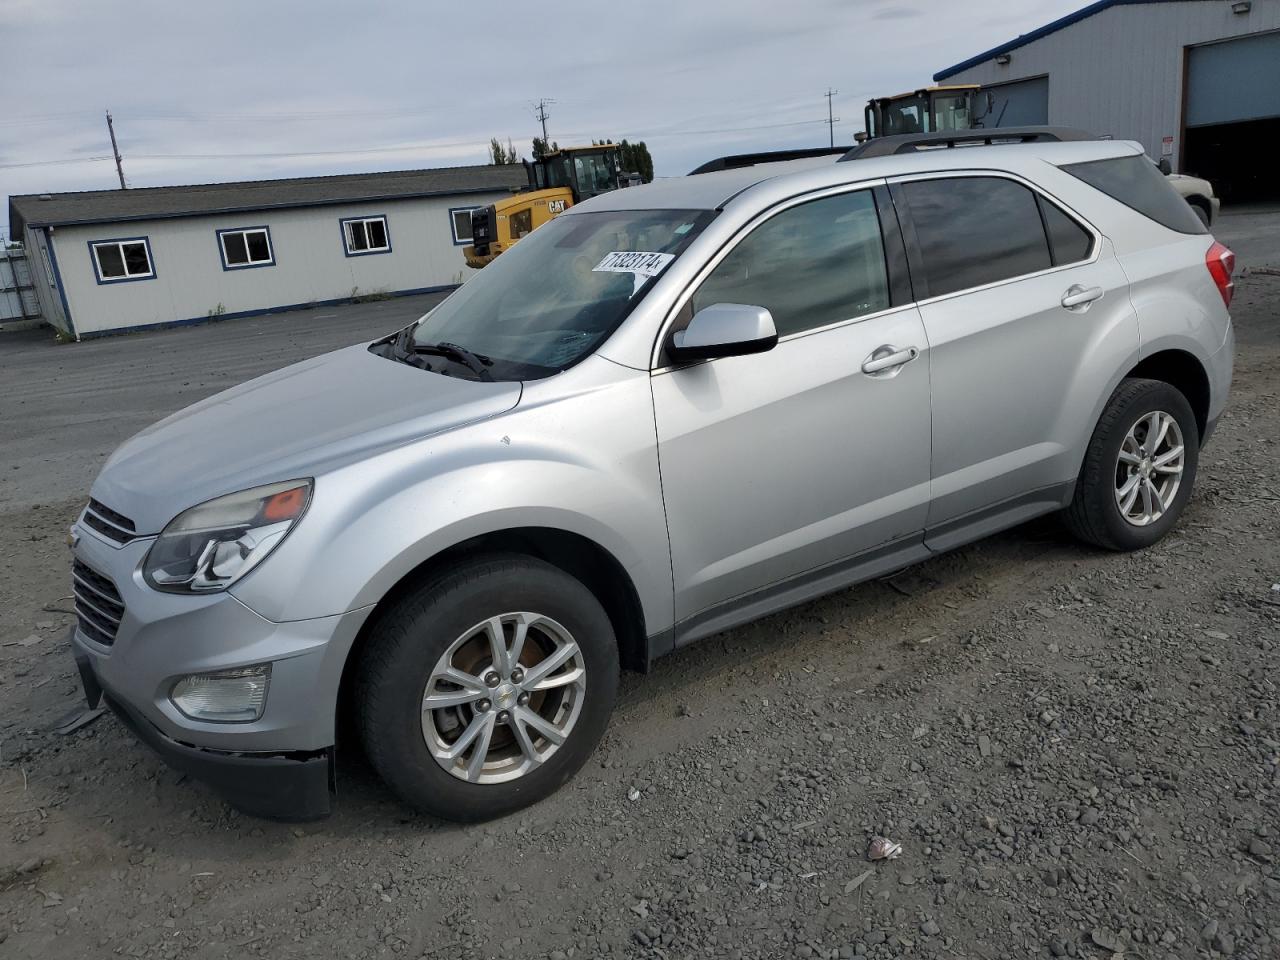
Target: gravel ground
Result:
[1079, 752]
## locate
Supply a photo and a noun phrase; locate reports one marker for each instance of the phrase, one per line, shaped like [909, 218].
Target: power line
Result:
[52, 163]
[458, 144]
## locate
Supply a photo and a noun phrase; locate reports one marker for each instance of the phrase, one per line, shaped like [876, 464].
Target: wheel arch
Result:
[1183, 371]
[575, 554]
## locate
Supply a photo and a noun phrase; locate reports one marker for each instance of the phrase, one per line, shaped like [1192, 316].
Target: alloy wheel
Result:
[503, 697]
[1149, 468]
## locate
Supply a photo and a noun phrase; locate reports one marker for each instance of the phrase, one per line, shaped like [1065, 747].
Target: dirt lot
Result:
[1079, 752]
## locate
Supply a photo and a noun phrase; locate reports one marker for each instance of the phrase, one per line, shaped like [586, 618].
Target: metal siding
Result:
[1134, 49]
[1235, 80]
[311, 262]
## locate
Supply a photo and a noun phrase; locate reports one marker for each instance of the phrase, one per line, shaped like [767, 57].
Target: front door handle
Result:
[1078, 296]
[887, 358]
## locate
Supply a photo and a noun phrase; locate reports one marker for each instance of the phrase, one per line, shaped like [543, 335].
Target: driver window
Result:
[815, 264]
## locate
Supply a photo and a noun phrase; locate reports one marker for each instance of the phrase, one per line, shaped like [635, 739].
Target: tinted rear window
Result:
[1136, 183]
[976, 230]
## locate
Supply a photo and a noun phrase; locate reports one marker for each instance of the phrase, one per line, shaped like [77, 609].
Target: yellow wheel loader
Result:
[557, 181]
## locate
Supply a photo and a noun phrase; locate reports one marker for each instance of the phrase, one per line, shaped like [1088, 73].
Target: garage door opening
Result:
[1239, 159]
[1232, 116]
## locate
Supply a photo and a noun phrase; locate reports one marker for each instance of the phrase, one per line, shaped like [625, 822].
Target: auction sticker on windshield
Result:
[640, 264]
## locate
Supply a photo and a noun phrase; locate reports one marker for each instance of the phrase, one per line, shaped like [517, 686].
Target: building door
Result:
[1019, 103]
[1232, 116]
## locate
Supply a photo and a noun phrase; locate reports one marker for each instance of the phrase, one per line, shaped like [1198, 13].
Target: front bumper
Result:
[289, 786]
[277, 766]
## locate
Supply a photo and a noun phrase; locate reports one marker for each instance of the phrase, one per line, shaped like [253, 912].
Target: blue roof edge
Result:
[1048, 28]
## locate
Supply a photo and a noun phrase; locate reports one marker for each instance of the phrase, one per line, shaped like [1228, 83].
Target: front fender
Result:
[584, 462]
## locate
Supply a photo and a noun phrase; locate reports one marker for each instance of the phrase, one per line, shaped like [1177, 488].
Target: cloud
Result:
[345, 83]
[897, 13]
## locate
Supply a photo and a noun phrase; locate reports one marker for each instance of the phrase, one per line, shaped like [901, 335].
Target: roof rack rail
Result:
[916, 142]
[737, 160]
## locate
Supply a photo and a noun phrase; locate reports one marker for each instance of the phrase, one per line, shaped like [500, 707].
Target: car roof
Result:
[713, 191]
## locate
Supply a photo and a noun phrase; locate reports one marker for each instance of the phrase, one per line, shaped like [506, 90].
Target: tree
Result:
[541, 148]
[636, 159]
[499, 154]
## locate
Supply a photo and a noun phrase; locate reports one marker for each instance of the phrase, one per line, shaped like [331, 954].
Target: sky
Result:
[255, 89]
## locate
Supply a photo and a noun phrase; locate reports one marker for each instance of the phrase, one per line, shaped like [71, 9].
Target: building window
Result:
[246, 247]
[461, 219]
[117, 260]
[363, 235]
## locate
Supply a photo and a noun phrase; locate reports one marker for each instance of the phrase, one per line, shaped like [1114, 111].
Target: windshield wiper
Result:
[474, 362]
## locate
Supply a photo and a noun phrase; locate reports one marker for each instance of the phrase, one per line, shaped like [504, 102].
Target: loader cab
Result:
[586, 171]
[928, 110]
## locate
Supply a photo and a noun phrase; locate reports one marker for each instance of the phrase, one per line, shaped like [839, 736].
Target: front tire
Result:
[485, 689]
[1139, 468]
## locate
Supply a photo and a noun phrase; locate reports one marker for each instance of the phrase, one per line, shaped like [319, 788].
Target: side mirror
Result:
[1165, 166]
[724, 330]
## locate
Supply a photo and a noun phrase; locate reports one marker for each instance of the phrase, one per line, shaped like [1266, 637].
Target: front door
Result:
[781, 463]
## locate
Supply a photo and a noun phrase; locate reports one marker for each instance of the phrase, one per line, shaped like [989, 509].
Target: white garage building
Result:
[1197, 81]
[107, 261]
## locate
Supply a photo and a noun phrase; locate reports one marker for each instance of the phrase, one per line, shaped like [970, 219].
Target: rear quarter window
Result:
[1135, 182]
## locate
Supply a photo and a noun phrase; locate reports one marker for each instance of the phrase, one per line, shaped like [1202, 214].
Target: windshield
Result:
[551, 299]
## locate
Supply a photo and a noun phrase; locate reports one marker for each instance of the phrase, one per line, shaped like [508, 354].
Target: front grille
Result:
[98, 604]
[116, 527]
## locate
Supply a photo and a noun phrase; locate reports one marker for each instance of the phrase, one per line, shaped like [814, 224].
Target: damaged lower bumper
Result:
[293, 786]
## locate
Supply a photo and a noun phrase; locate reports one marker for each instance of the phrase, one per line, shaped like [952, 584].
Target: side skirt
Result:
[801, 588]
[873, 563]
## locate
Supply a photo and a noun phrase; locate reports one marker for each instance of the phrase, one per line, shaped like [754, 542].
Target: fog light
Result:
[232, 696]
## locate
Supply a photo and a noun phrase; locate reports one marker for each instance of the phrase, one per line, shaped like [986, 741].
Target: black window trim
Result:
[659, 363]
[919, 278]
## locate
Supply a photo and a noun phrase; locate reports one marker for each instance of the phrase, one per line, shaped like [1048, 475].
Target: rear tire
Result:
[1120, 475]
[1202, 213]
[449, 624]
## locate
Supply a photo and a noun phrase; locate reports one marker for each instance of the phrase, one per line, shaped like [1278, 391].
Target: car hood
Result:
[297, 422]
[1186, 184]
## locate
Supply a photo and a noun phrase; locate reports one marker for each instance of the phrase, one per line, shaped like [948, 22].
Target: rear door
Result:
[783, 463]
[1019, 299]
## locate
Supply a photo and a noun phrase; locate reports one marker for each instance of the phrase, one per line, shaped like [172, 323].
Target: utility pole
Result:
[116, 151]
[543, 116]
[831, 121]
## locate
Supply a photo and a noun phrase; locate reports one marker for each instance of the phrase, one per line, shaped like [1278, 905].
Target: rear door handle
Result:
[886, 358]
[1078, 296]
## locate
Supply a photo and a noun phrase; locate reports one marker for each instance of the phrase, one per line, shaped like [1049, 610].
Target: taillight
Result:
[1221, 263]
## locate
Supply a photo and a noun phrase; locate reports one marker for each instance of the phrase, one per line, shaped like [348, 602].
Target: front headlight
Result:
[211, 546]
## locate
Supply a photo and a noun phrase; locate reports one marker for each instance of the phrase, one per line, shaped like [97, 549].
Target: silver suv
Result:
[670, 411]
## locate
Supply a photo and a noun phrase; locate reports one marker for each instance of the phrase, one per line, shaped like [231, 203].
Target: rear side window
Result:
[976, 230]
[1135, 182]
[1069, 242]
[814, 264]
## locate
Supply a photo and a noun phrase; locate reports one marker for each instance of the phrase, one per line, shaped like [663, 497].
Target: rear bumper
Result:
[278, 786]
